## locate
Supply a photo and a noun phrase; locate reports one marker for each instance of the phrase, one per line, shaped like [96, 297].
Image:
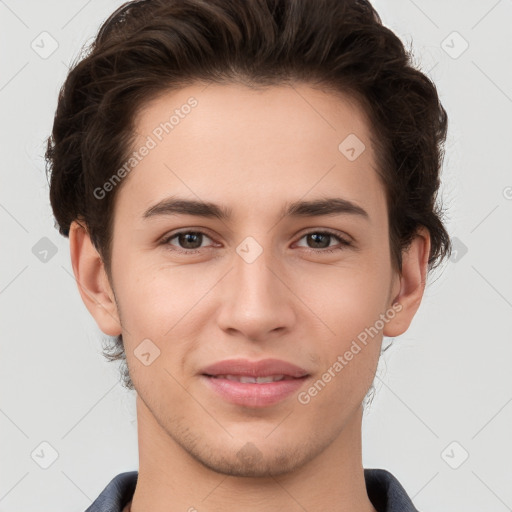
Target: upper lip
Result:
[262, 368]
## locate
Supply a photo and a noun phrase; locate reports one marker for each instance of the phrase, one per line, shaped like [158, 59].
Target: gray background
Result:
[443, 389]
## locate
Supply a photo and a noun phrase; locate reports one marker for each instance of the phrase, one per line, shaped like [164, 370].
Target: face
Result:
[300, 286]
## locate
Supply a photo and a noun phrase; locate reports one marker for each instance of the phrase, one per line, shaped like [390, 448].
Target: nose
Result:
[256, 301]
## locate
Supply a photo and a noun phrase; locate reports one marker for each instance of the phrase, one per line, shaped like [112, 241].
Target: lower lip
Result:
[253, 394]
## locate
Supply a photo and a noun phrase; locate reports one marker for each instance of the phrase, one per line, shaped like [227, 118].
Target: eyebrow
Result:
[315, 208]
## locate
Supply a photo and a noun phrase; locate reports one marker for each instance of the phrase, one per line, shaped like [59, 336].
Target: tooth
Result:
[244, 379]
[272, 378]
[251, 380]
[261, 380]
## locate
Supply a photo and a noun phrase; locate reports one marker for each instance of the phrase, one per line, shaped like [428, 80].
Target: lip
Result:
[262, 368]
[254, 394]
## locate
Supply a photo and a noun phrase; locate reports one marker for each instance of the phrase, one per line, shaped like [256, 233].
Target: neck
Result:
[171, 480]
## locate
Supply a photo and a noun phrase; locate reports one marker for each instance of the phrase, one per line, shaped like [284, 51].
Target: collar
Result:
[384, 490]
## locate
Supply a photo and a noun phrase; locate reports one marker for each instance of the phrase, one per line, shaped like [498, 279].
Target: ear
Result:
[410, 284]
[92, 280]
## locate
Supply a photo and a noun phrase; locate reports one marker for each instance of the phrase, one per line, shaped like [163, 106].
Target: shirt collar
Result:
[384, 491]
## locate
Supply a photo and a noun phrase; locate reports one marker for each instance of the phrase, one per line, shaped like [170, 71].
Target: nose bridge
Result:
[253, 263]
[254, 297]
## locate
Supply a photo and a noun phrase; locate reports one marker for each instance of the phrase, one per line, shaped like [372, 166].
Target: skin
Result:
[252, 151]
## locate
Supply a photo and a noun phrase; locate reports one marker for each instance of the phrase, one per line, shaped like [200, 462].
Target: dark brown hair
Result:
[151, 46]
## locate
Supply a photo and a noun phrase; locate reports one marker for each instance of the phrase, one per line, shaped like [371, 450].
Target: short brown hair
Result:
[151, 46]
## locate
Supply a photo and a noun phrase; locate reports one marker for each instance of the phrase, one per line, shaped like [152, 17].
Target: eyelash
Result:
[344, 243]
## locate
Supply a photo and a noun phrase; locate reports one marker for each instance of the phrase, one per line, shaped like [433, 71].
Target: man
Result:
[249, 193]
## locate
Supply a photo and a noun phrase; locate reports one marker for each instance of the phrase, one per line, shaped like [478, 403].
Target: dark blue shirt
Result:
[384, 490]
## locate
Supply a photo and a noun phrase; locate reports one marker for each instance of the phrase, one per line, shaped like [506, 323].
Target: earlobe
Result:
[92, 280]
[412, 284]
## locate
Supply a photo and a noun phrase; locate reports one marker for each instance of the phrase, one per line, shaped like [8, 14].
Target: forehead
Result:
[250, 148]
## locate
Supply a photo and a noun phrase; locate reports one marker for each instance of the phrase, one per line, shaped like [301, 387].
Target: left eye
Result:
[190, 241]
[317, 236]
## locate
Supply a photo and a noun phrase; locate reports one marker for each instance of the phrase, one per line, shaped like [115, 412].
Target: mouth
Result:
[253, 380]
[277, 369]
[254, 384]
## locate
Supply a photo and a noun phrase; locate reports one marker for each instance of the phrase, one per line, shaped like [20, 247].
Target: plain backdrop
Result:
[441, 419]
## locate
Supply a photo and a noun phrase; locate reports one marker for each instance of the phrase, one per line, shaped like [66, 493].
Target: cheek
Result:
[349, 331]
[349, 350]
[164, 302]
[157, 306]
[345, 300]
